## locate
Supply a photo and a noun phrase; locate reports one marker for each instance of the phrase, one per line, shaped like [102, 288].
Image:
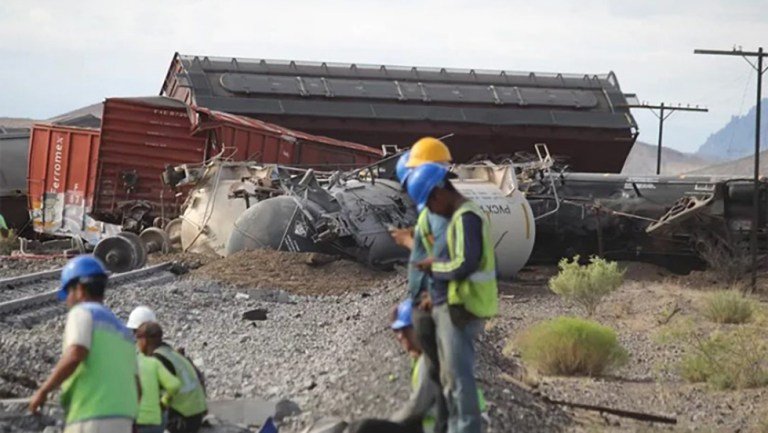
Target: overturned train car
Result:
[679, 222]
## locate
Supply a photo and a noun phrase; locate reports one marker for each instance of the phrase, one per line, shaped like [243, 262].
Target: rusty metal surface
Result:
[139, 137]
[252, 139]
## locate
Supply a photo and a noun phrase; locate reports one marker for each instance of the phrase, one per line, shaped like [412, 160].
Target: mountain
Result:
[642, 160]
[15, 122]
[743, 167]
[737, 138]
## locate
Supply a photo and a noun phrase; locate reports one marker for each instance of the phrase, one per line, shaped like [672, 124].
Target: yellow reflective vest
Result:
[478, 293]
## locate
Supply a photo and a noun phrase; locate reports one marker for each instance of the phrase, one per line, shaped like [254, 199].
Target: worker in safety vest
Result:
[188, 407]
[97, 371]
[465, 289]
[428, 235]
[154, 377]
[425, 391]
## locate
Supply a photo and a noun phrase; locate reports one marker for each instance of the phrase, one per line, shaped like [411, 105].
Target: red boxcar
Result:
[63, 168]
[81, 178]
[243, 138]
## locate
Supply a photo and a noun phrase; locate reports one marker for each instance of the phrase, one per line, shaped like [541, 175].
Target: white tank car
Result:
[217, 199]
[513, 230]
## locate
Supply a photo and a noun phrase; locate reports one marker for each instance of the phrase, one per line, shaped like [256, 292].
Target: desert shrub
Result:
[571, 346]
[8, 243]
[586, 285]
[728, 306]
[727, 360]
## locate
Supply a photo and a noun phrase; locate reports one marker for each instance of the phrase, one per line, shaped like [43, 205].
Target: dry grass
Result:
[727, 306]
[571, 346]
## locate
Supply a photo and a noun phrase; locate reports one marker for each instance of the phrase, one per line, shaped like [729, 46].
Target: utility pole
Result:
[759, 55]
[662, 117]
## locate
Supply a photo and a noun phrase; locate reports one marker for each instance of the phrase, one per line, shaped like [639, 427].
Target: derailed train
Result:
[347, 214]
[536, 214]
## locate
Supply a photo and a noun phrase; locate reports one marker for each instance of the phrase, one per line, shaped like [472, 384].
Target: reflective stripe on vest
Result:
[190, 399]
[479, 292]
[424, 230]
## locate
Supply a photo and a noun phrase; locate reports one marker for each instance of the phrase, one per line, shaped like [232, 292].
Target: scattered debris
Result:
[257, 314]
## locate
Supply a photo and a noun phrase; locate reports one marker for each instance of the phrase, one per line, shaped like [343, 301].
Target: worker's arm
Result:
[468, 251]
[78, 333]
[70, 360]
[170, 383]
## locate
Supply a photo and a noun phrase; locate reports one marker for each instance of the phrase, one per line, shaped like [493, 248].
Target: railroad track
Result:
[23, 296]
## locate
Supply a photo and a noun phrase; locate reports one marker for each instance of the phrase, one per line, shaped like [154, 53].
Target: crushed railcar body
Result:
[584, 119]
[680, 222]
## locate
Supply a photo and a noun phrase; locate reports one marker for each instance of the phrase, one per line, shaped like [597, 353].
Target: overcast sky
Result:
[60, 55]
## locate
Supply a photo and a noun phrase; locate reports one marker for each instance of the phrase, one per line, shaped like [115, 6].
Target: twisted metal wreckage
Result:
[538, 213]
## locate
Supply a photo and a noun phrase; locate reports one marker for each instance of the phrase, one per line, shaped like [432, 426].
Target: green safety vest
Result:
[104, 384]
[424, 230]
[190, 400]
[428, 424]
[479, 293]
[153, 376]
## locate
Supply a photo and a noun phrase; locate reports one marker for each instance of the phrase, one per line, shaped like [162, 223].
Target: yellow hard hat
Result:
[428, 149]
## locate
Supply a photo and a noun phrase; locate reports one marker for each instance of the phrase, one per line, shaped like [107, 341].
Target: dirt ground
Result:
[298, 273]
[640, 312]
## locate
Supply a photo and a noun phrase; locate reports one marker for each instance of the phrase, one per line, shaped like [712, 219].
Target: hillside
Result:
[737, 138]
[642, 160]
[15, 122]
[740, 167]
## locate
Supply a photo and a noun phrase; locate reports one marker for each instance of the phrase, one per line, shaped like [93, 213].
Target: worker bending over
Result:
[97, 370]
[429, 234]
[465, 289]
[187, 408]
[154, 377]
[425, 392]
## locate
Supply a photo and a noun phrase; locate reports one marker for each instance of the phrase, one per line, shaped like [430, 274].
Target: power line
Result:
[747, 55]
[670, 108]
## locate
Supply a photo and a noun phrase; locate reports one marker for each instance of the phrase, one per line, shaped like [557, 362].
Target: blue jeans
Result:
[456, 332]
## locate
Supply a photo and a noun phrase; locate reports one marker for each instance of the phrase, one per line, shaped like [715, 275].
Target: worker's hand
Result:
[425, 304]
[37, 401]
[425, 265]
[403, 237]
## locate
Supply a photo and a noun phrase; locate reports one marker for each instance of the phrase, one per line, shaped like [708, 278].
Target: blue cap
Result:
[423, 180]
[401, 170]
[83, 266]
[404, 311]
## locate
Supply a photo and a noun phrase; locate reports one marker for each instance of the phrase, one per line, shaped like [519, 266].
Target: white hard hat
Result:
[139, 316]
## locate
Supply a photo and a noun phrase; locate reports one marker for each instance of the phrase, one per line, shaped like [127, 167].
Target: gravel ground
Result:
[333, 355]
[648, 382]
[11, 266]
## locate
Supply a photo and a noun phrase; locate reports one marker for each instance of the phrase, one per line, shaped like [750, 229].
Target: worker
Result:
[426, 391]
[154, 377]
[140, 315]
[97, 371]
[464, 289]
[188, 407]
[429, 234]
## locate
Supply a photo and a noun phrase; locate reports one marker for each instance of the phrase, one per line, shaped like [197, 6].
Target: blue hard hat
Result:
[401, 170]
[423, 180]
[83, 266]
[404, 311]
